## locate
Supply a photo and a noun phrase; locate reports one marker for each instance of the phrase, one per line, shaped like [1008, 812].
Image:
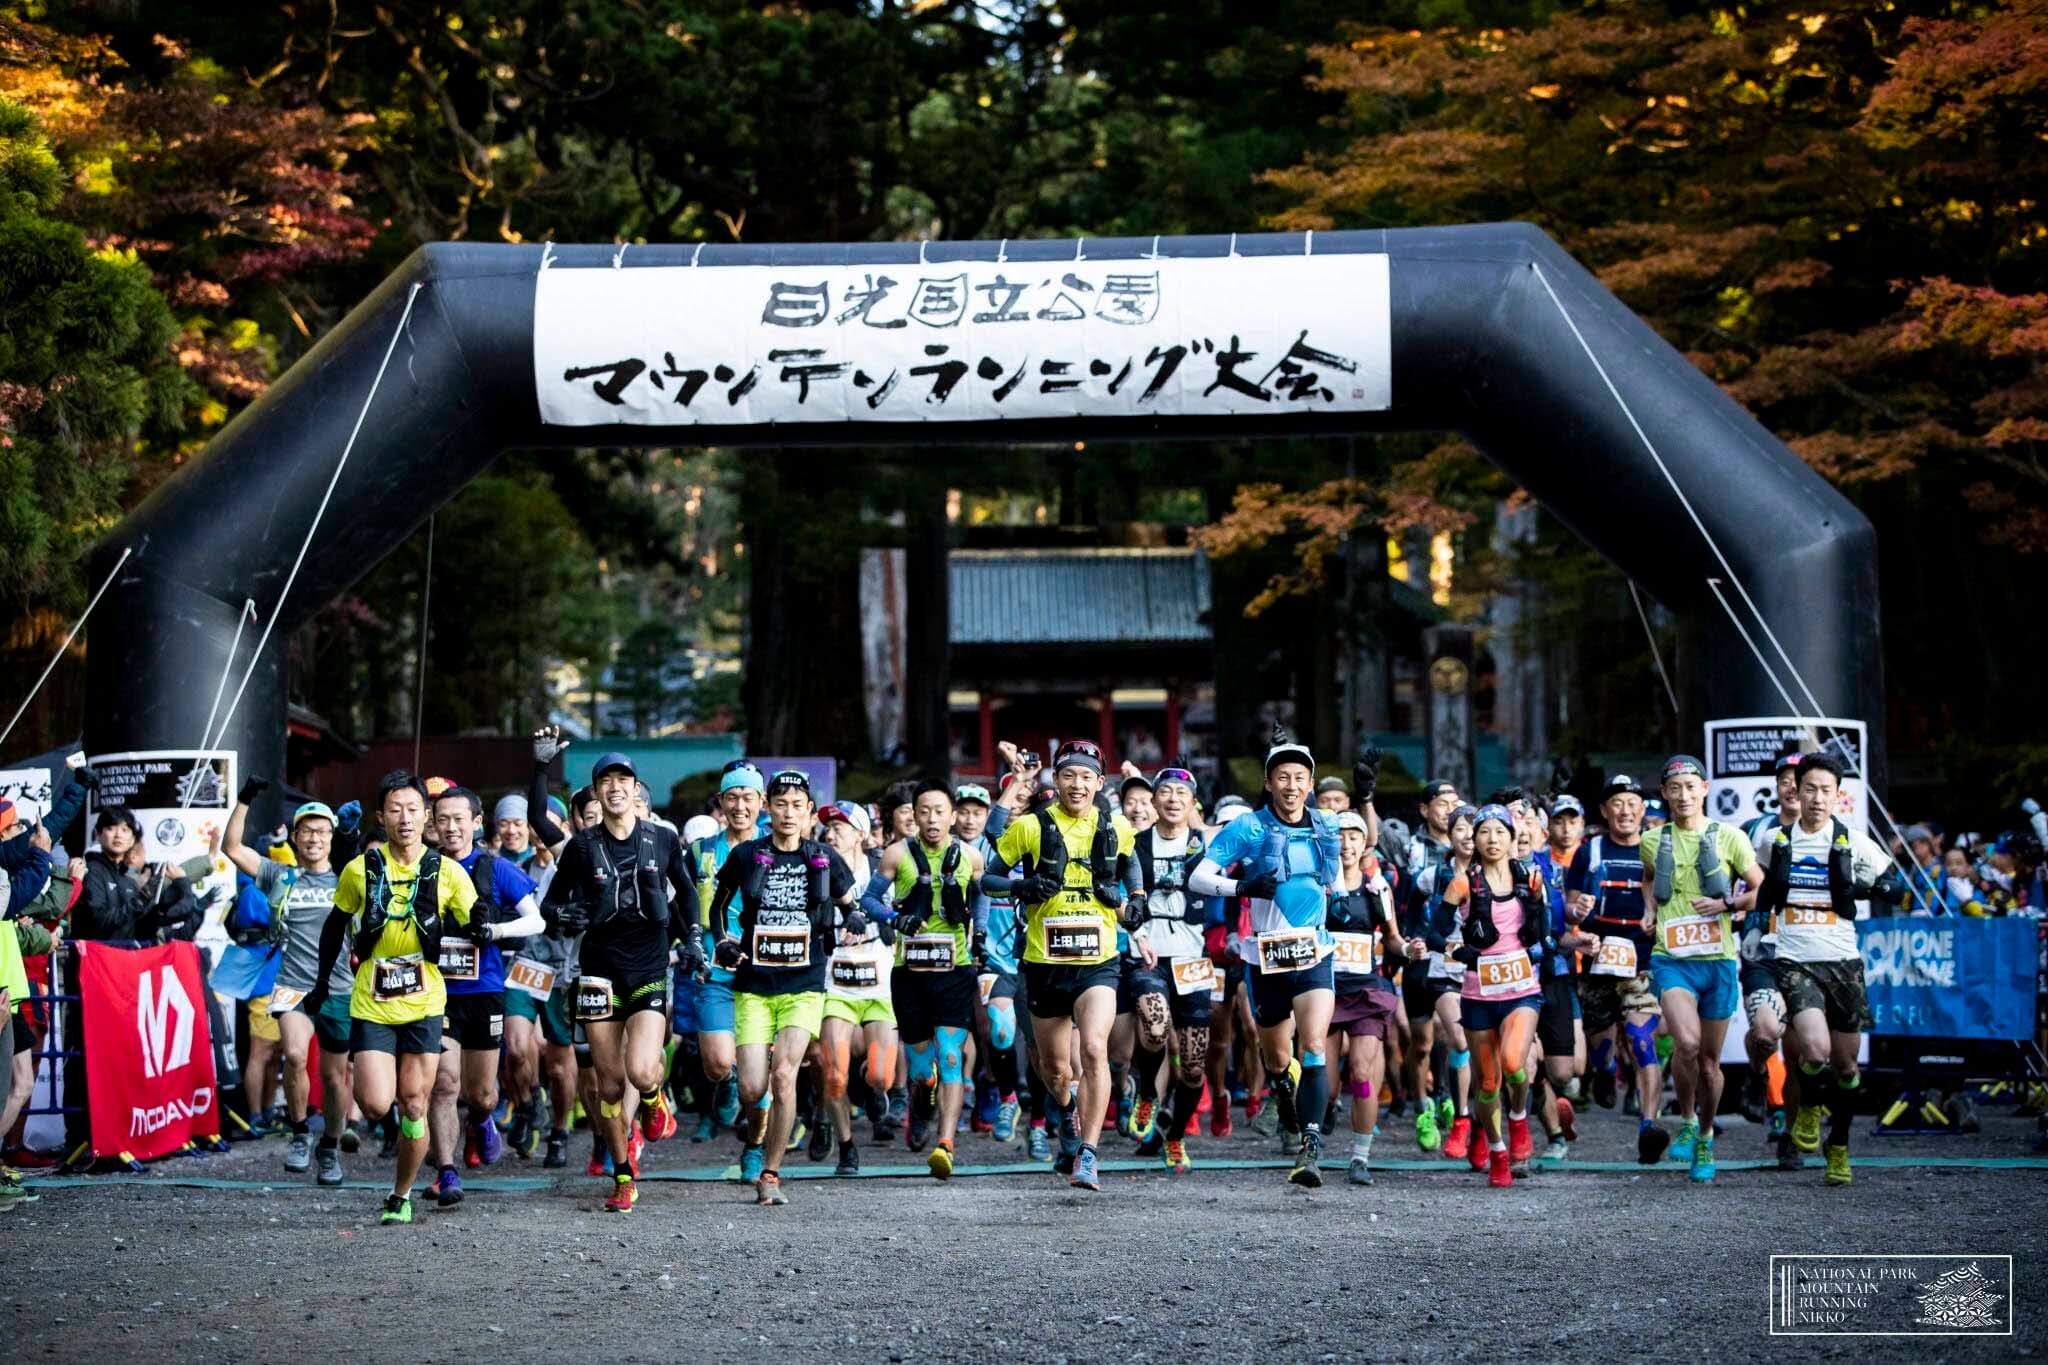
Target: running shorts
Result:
[929, 1001]
[1709, 980]
[475, 1022]
[1273, 993]
[1834, 988]
[1053, 991]
[759, 1019]
[421, 1036]
[1560, 1010]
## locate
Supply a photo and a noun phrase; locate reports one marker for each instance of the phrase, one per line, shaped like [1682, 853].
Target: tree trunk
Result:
[926, 729]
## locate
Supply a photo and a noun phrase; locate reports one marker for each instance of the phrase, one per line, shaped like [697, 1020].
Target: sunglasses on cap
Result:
[1180, 775]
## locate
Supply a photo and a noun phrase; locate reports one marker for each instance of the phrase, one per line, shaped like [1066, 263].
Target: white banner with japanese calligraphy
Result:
[963, 342]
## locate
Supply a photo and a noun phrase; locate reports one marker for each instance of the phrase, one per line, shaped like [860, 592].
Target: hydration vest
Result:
[818, 886]
[917, 901]
[425, 911]
[646, 881]
[1713, 872]
[1141, 853]
[1053, 855]
[1479, 899]
[1841, 872]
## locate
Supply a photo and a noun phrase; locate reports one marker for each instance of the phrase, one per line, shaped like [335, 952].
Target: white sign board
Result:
[29, 790]
[962, 341]
[182, 797]
[1741, 755]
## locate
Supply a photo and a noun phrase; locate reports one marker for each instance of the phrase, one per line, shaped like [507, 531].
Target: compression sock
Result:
[1361, 1147]
[1284, 1092]
[1843, 1116]
[1002, 1065]
[1313, 1093]
[1185, 1098]
[1145, 1064]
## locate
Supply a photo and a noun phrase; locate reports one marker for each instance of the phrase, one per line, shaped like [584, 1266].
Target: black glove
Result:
[856, 923]
[478, 930]
[349, 816]
[569, 920]
[977, 950]
[1110, 893]
[911, 923]
[86, 776]
[1038, 889]
[1134, 914]
[1365, 775]
[1261, 886]
[1560, 777]
[690, 954]
[1890, 889]
[885, 930]
[727, 954]
[252, 789]
[1465, 953]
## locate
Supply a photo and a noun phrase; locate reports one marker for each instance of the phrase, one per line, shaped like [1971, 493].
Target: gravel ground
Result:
[1221, 1264]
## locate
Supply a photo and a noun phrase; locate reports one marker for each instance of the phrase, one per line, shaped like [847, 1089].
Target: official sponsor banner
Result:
[963, 341]
[1741, 754]
[148, 1048]
[181, 796]
[1951, 977]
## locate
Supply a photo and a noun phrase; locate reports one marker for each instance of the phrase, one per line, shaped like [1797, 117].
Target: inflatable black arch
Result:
[1494, 332]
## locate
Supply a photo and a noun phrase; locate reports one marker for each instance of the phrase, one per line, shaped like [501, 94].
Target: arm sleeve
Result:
[681, 873]
[874, 899]
[1208, 880]
[998, 821]
[721, 900]
[1580, 872]
[538, 818]
[569, 874]
[332, 935]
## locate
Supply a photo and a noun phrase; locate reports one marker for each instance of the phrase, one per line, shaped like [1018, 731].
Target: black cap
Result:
[607, 762]
[1133, 783]
[1432, 790]
[1332, 784]
[1616, 785]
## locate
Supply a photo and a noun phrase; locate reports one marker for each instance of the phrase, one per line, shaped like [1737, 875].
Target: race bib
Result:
[1193, 974]
[1810, 916]
[285, 999]
[985, 983]
[929, 953]
[1354, 954]
[537, 979]
[460, 959]
[782, 946]
[1073, 938]
[1693, 936]
[1508, 974]
[1617, 957]
[593, 997]
[1289, 950]
[395, 978]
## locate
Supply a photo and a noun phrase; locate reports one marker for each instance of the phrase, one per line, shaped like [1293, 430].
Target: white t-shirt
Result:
[1808, 928]
[1168, 931]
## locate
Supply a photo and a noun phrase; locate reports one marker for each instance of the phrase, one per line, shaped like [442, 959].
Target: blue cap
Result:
[607, 762]
[741, 777]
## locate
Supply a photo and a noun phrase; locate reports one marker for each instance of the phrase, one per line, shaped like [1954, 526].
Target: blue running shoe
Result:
[752, 1159]
[1084, 1176]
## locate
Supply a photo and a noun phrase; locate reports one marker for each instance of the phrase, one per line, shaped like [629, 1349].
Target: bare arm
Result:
[244, 858]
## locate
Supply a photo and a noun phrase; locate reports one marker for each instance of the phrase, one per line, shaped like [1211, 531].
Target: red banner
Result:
[148, 1049]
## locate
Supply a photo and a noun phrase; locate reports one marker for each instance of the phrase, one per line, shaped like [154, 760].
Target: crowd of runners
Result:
[1077, 958]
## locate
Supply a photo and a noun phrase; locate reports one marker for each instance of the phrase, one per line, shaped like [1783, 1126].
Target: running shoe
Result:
[1567, 1119]
[1358, 1173]
[625, 1193]
[600, 1162]
[1788, 1155]
[707, 1128]
[849, 1159]
[298, 1156]
[752, 1159]
[635, 1145]
[1035, 1144]
[1754, 1096]
[10, 1181]
[1838, 1165]
[397, 1209]
[1703, 1167]
[1499, 1173]
[1482, 1148]
[558, 1150]
[1446, 1112]
[1142, 1115]
[1558, 1150]
[351, 1140]
[1005, 1127]
[329, 1161]
[657, 1121]
[1520, 1145]
[1264, 1116]
[1651, 1140]
[1174, 1155]
[799, 1130]
[1682, 1145]
[1220, 1125]
[768, 1189]
[1806, 1128]
[1459, 1141]
[986, 1102]
[447, 1187]
[520, 1135]
[1603, 1089]
[1070, 1140]
[470, 1156]
[1776, 1128]
[821, 1141]
[1308, 1170]
[940, 1162]
[1126, 1106]
[1426, 1135]
[1084, 1176]
[1154, 1144]
[728, 1109]
[490, 1143]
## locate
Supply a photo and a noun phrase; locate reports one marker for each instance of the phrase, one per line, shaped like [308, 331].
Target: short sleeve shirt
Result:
[400, 937]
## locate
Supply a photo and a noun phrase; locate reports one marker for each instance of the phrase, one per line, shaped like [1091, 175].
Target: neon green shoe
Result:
[1682, 1147]
[1838, 1166]
[1426, 1135]
[1806, 1128]
[1143, 1118]
[397, 1209]
[1446, 1112]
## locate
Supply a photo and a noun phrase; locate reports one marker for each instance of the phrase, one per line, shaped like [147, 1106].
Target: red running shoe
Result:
[1520, 1145]
[1567, 1119]
[1480, 1149]
[635, 1144]
[657, 1121]
[1459, 1141]
[1498, 1175]
[1220, 1125]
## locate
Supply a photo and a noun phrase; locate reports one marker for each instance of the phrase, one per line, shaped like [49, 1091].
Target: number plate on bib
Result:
[1693, 936]
[1617, 957]
[1192, 974]
[460, 959]
[537, 979]
[1290, 950]
[1354, 954]
[856, 973]
[394, 978]
[1073, 938]
[929, 953]
[775, 946]
[1506, 975]
[285, 999]
[1810, 916]
[593, 997]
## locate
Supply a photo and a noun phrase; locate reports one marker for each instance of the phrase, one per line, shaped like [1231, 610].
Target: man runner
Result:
[741, 789]
[1604, 900]
[1176, 995]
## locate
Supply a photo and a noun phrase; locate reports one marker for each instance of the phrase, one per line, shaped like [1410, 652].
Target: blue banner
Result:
[1951, 977]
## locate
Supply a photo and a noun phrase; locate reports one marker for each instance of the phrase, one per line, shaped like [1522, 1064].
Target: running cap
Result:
[1078, 753]
[1332, 784]
[1286, 750]
[741, 776]
[1567, 805]
[971, 791]
[1787, 764]
[1229, 807]
[1619, 784]
[1678, 765]
[699, 827]
[1431, 790]
[790, 779]
[613, 762]
[1136, 782]
[311, 809]
[847, 813]
[1351, 819]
